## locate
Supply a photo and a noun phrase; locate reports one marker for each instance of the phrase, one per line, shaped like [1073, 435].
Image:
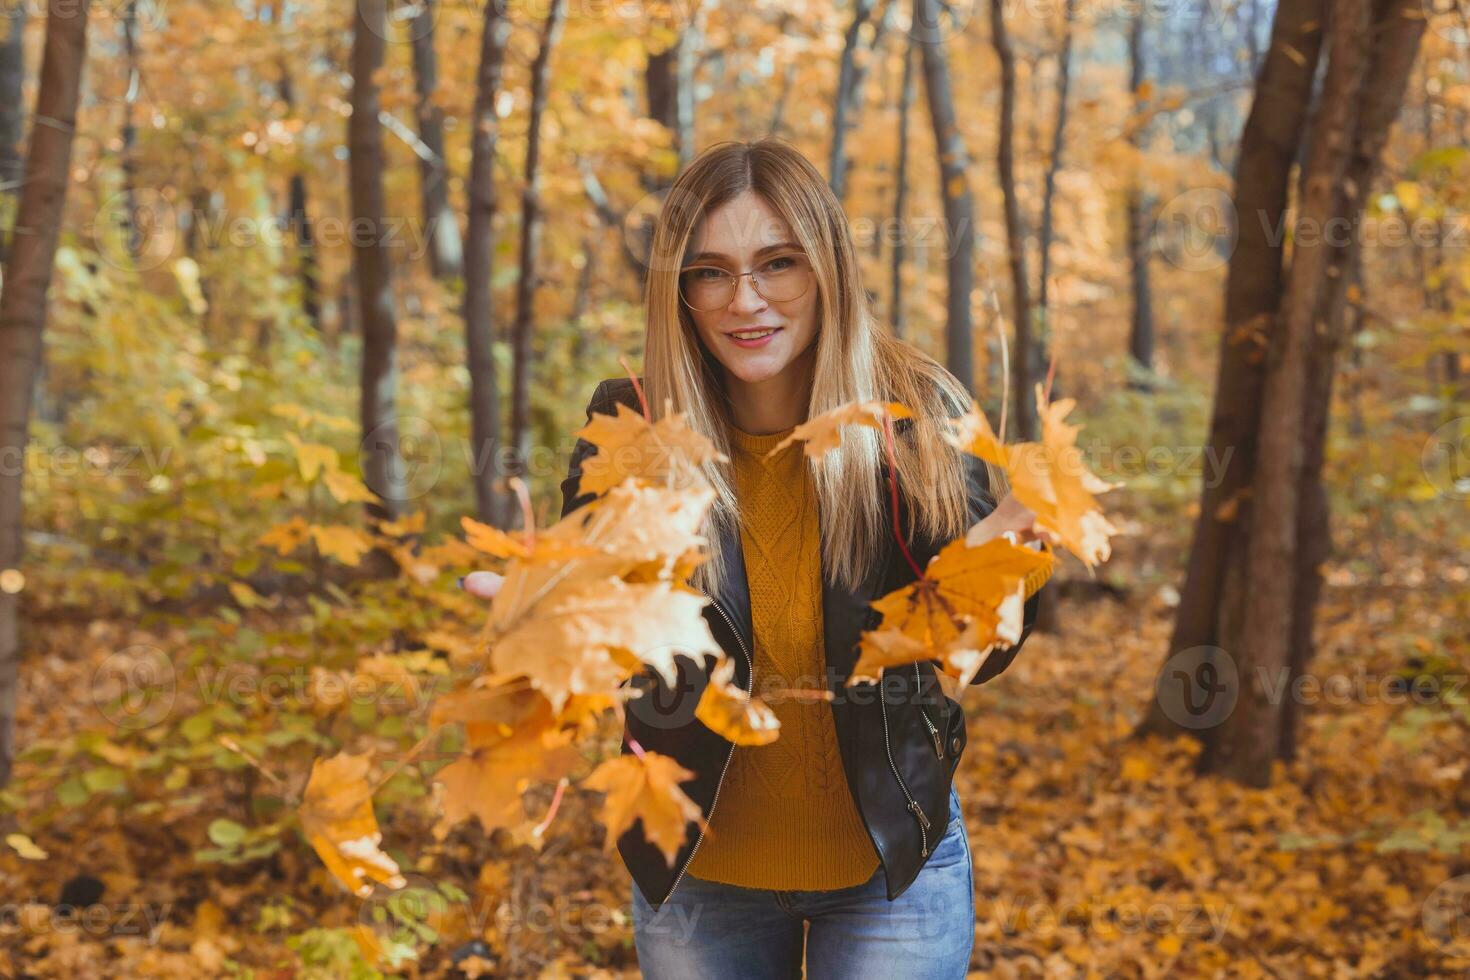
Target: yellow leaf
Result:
[312, 457]
[666, 453]
[337, 818]
[346, 544]
[25, 847]
[346, 487]
[513, 738]
[286, 538]
[729, 712]
[646, 788]
[824, 432]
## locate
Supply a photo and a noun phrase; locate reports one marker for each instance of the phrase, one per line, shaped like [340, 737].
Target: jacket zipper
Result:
[750, 670]
[914, 807]
[933, 732]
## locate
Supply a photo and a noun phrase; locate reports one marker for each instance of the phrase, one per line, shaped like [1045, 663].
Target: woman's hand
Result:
[1010, 516]
[486, 585]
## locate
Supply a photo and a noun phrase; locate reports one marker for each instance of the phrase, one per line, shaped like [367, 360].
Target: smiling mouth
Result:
[752, 334]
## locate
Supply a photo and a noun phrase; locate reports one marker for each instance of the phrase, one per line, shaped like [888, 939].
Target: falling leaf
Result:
[346, 544]
[25, 847]
[646, 788]
[512, 739]
[347, 488]
[969, 600]
[336, 815]
[566, 647]
[729, 712]
[312, 457]
[823, 433]
[1049, 477]
[666, 453]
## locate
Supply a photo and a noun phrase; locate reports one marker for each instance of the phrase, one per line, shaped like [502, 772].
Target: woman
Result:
[841, 843]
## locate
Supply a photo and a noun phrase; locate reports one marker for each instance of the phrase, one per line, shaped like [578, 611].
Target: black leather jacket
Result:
[899, 752]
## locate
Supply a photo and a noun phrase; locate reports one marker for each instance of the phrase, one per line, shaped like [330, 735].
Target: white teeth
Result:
[752, 334]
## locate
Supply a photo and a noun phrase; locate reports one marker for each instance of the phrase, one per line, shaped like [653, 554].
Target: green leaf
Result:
[226, 833]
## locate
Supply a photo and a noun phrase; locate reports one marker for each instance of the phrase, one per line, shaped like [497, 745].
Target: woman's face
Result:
[742, 235]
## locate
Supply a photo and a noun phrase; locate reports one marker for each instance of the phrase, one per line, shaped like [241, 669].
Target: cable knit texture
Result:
[785, 817]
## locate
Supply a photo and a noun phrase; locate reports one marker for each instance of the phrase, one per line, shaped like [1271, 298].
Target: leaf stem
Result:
[888, 440]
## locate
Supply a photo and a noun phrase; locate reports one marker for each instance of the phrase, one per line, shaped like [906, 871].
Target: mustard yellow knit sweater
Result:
[785, 818]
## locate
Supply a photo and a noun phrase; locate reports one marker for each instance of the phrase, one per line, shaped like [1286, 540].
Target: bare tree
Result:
[851, 73]
[381, 465]
[479, 299]
[12, 81]
[1141, 329]
[901, 190]
[446, 252]
[23, 315]
[954, 190]
[522, 354]
[1262, 533]
[1024, 369]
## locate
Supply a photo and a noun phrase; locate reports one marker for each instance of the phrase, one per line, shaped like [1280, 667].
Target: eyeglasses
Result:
[779, 279]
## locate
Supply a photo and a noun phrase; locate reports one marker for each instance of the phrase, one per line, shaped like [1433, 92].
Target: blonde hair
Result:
[856, 359]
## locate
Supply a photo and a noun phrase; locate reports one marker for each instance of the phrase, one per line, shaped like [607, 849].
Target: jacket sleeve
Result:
[571, 496]
[982, 502]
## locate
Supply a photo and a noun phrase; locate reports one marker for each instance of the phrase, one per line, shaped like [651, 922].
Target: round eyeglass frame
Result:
[735, 277]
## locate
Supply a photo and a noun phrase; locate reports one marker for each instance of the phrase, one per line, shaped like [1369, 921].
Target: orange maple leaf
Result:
[824, 432]
[336, 815]
[730, 712]
[968, 601]
[666, 453]
[646, 787]
[513, 739]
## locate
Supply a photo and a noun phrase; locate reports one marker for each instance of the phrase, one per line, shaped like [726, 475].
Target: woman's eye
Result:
[780, 262]
[707, 274]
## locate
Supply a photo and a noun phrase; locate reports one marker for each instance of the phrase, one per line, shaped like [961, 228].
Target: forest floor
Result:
[1095, 854]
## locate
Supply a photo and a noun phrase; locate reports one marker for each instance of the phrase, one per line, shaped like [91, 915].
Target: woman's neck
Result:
[775, 404]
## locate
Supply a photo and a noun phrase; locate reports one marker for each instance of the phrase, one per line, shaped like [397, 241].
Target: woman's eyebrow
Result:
[759, 252]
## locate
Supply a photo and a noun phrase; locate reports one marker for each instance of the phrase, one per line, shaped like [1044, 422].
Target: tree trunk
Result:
[1141, 329]
[23, 316]
[850, 77]
[1268, 145]
[382, 468]
[446, 251]
[1049, 186]
[901, 190]
[12, 116]
[954, 191]
[522, 353]
[479, 299]
[1395, 37]
[1023, 367]
[298, 220]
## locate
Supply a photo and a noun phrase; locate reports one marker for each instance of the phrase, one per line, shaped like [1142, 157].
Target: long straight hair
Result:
[856, 359]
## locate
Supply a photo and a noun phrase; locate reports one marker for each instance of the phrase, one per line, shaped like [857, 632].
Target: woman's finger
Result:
[483, 584]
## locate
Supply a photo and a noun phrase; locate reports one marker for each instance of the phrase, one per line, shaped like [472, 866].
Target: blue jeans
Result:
[708, 930]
